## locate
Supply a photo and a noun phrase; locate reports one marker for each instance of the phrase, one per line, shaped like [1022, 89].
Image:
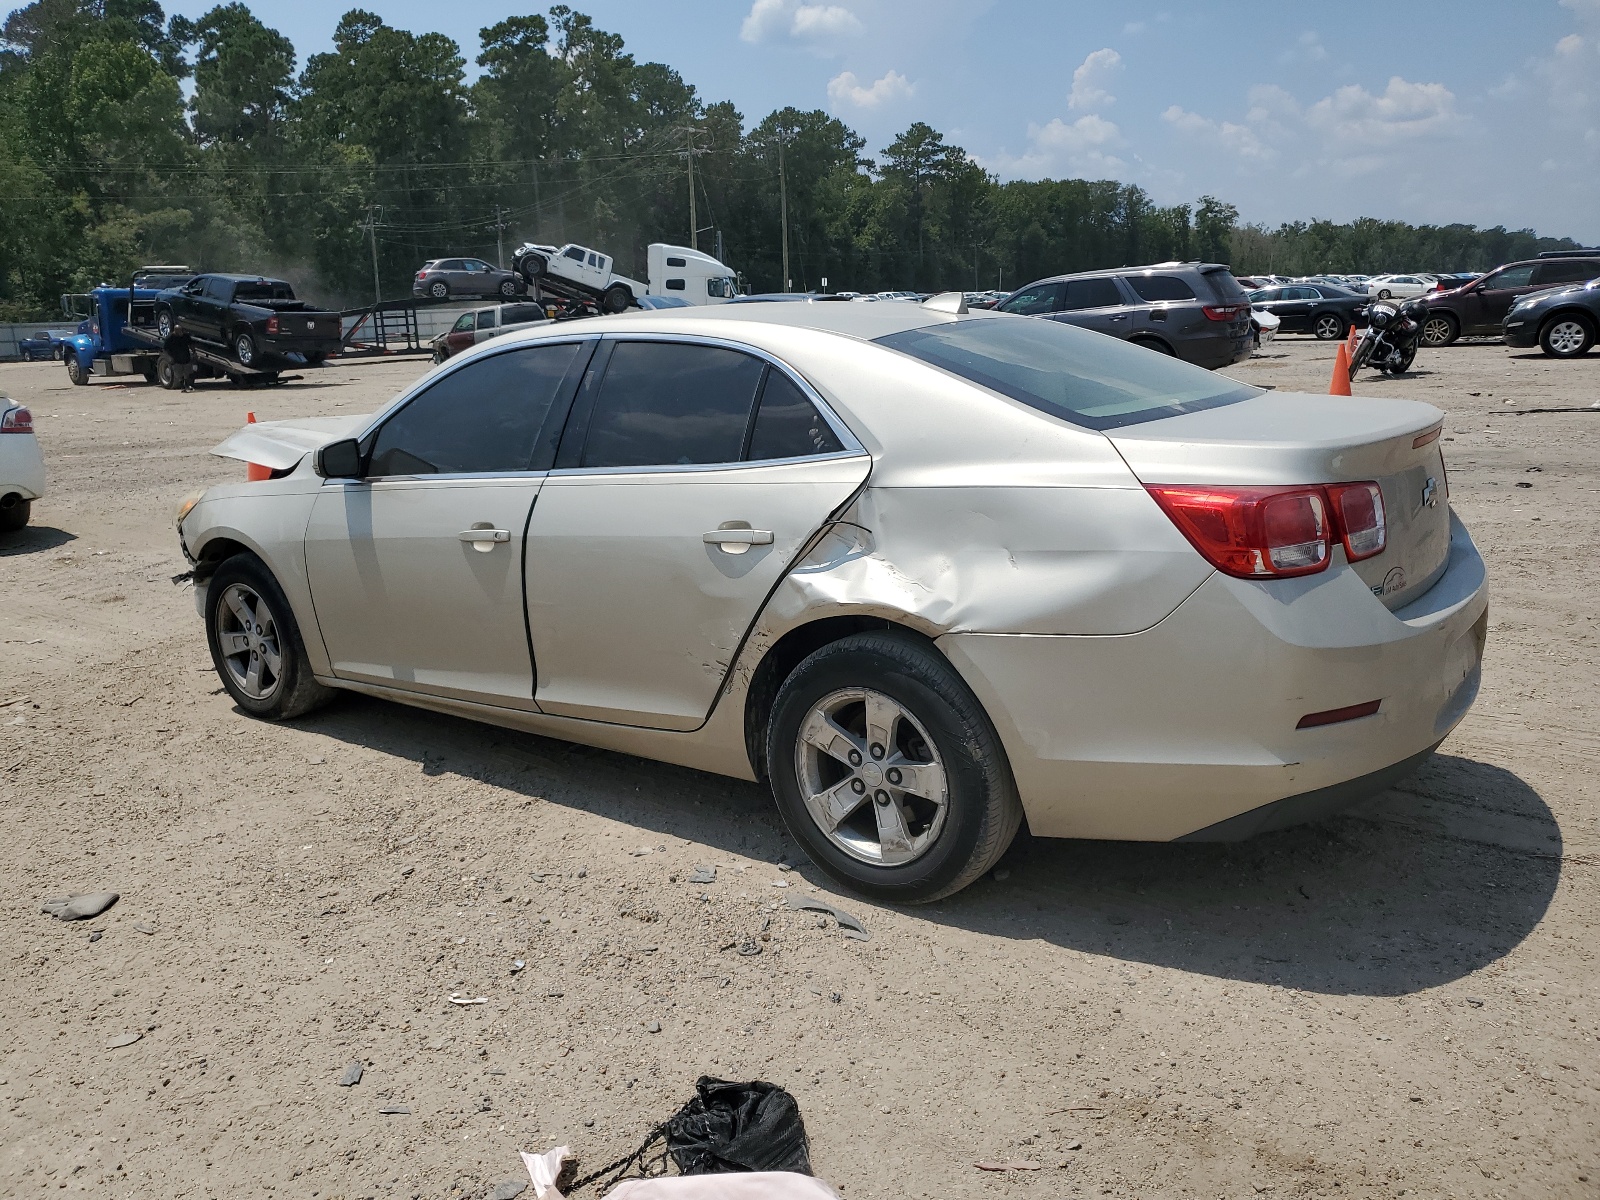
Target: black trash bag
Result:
[738, 1127]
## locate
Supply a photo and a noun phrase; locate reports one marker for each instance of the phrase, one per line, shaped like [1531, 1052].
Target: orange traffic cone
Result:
[1339, 385]
[253, 472]
[1350, 342]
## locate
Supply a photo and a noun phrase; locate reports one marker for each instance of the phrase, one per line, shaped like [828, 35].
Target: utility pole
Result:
[499, 238]
[690, 132]
[783, 207]
[374, 213]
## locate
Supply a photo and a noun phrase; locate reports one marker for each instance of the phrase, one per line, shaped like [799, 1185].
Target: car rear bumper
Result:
[1221, 351]
[21, 466]
[1192, 723]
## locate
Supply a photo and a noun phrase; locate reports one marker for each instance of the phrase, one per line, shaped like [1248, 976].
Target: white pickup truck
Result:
[580, 273]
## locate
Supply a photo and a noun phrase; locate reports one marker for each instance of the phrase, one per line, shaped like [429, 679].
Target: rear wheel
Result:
[508, 288]
[14, 512]
[256, 645]
[244, 348]
[1328, 326]
[1440, 330]
[1567, 336]
[616, 299]
[439, 289]
[887, 770]
[164, 323]
[1385, 294]
[167, 373]
[1152, 344]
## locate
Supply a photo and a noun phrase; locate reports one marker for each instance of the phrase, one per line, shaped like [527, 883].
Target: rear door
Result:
[691, 476]
[486, 325]
[416, 570]
[1097, 304]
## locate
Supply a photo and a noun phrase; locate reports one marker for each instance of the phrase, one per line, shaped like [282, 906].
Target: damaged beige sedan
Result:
[927, 572]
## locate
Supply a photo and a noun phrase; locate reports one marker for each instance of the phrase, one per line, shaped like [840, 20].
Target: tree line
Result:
[128, 138]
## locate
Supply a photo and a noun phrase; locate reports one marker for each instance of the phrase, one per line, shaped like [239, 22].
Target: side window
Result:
[664, 403]
[1263, 295]
[787, 424]
[1092, 293]
[721, 289]
[218, 289]
[463, 323]
[674, 285]
[575, 252]
[484, 417]
[486, 319]
[1161, 287]
[594, 259]
[1036, 300]
[673, 261]
[1576, 270]
[1511, 277]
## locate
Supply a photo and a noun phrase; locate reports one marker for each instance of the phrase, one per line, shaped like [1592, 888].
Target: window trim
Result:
[576, 431]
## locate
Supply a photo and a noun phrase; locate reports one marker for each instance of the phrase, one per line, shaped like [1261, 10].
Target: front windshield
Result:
[1086, 378]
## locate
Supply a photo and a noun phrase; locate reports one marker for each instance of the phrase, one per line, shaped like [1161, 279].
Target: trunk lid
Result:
[1289, 439]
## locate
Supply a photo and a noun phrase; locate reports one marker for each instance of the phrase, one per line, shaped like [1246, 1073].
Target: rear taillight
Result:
[272, 324]
[1358, 510]
[1275, 532]
[1224, 312]
[16, 420]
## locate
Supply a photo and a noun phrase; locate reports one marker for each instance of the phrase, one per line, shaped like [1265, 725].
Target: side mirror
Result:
[340, 460]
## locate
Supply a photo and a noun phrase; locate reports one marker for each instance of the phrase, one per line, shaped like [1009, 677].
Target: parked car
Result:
[21, 465]
[258, 320]
[1562, 321]
[442, 278]
[481, 324]
[1196, 311]
[1401, 287]
[651, 303]
[798, 542]
[1265, 324]
[1452, 280]
[1481, 306]
[45, 345]
[1317, 308]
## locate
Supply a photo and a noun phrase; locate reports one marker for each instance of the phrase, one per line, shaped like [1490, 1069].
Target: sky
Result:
[1485, 112]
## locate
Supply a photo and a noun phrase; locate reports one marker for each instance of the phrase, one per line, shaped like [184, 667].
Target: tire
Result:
[508, 288]
[533, 267]
[59, 353]
[316, 359]
[164, 325]
[244, 348]
[14, 512]
[933, 849]
[1384, 294]
[167, 373]
[1439, 329]
[1403, 365]
[1566, 335]
[1363, 352]
[1153, 344]
[75, 370]
[1328, 326]
[439, 290]
[616, 298]
[243, 587]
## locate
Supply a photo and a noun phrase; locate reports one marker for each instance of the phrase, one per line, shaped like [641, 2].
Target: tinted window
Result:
[575, 253]
[1160, 287]
[1036, 299]
[218, 289]
[1265, 294]
[674, 285]
[451, 264]
[663, 403]
[1575, 270]
[1082, 377]
[1092, 293]
[486, 319]
[1329, 291]
[677, 262]
[266, 289]
[1224, 286]
[463, 323]
[520, 314]
[1511, 277]
[788, 425]
[484, 417]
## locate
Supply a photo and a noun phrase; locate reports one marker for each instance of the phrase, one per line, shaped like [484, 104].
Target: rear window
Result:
[1160, 287]
[1225, 286]
[1086, 378]
[266, 290]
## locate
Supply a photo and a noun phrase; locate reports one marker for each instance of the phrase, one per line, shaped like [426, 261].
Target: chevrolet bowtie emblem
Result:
[1430, 491]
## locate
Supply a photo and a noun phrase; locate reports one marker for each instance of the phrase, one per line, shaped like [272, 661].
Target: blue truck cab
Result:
[116, 336]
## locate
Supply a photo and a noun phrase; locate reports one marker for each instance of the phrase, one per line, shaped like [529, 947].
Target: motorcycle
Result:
[1389, 342]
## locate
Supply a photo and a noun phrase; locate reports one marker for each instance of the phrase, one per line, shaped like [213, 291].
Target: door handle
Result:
[483, 539]
[1120, 317]
[737, 541]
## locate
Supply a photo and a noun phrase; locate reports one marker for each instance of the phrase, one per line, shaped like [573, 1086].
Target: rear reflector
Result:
[1422, 439]
[1333, 716]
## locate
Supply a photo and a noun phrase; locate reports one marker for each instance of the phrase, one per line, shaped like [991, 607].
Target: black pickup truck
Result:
[255, 319]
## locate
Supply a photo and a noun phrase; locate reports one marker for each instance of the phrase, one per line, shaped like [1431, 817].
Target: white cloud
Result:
[845, 88]
[1355, 118]
[1308, 47]
[769, 19]
[1239, 139]
[1080, 148]
[1090, 79]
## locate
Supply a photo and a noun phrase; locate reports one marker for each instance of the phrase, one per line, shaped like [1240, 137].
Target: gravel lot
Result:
[1403, 1001]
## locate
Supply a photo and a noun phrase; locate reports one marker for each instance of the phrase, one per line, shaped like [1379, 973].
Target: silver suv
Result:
[1196, 311]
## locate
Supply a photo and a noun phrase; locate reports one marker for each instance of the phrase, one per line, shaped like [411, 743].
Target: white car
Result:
[1400, 287]
[21, 465]
[924, 570]
[1265, 322]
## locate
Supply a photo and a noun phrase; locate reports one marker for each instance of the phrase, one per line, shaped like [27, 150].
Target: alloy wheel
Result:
[1329, 327]
[247, 636]
[1436, 331]
[871, 777]
[1566, 337]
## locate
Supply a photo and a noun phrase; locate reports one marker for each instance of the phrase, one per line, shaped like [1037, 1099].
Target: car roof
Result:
[1165, 266]
[867, 322]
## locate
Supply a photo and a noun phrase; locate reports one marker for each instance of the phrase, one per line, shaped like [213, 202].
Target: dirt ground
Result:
[1403, 1001]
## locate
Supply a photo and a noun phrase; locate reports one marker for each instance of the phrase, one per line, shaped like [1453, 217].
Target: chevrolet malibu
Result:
[926, 572]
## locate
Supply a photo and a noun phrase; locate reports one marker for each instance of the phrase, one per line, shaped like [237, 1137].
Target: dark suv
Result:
[1196, 311]
[1481, 306]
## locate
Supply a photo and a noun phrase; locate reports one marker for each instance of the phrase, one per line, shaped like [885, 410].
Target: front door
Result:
[1486, 305]
[416, 570]
[691, 478]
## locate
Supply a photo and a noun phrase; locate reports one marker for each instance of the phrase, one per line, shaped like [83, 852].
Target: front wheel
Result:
[616, 299]
[1439, 330]
[256, 645]
[1363, 352]
[887, 770]
[75, 370]
[1328, 326]
[1567, 336]
[244, 348]
[532, 267]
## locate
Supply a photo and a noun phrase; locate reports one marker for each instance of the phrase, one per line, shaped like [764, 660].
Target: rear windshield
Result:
[1225, 286]
[1087, 378]
[1160, 287]
[265, 290]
